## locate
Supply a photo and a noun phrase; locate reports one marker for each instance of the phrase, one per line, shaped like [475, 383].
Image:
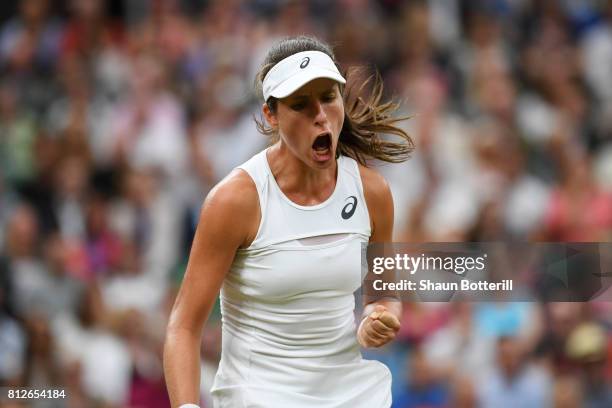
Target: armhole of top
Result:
[360, 185]
[259, 178]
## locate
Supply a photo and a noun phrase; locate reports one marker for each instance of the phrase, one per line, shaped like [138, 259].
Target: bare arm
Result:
[228, 220]
[381, 318]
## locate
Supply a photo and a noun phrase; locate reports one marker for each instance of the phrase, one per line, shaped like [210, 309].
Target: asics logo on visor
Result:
[305, 62]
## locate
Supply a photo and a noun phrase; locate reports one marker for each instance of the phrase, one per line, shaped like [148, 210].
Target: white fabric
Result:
[137, 291]
[288, 309]
[225, 147]
[106, 367]
[13, 345]
[295, 71]
[105, 360]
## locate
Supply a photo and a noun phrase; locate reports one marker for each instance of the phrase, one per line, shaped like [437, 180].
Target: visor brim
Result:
[295, 82]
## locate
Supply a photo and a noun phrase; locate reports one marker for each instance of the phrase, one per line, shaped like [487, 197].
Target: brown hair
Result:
[366, 120]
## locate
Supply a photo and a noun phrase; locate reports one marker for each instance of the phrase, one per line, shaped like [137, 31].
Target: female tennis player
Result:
[280, 237]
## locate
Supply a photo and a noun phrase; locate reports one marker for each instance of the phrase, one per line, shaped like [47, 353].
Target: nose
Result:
[320, 116]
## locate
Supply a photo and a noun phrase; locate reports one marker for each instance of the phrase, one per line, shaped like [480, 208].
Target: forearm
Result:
[182, 365]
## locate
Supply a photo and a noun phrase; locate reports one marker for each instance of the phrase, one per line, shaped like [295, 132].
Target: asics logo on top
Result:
[305, 62]
[349, 209]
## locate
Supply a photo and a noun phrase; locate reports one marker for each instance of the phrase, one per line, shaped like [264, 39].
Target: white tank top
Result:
[287, 304]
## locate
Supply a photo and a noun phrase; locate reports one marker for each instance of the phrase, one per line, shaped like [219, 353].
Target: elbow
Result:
[182, 331]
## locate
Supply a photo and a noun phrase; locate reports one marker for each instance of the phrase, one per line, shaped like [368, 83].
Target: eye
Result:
[297, 106]
[329, 97]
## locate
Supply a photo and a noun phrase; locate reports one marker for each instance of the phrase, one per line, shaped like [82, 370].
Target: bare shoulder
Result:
[234, 204]
[380, 203]
[375, 186]
[237, 191]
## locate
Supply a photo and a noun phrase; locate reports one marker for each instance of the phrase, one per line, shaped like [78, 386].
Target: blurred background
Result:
[117, 117]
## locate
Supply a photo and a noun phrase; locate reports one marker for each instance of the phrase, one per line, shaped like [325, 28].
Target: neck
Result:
[299, 182]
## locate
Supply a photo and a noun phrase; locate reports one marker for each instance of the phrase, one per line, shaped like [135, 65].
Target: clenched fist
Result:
[378, 328]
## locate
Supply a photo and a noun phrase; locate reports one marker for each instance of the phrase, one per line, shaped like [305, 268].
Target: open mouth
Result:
[322, 147]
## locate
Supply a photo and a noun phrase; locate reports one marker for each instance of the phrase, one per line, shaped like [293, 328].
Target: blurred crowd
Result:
[117, 117]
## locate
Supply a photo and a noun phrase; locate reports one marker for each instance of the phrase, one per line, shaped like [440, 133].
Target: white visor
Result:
[295, 71]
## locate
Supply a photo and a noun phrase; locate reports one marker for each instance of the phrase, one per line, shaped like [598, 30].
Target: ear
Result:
[270, 117]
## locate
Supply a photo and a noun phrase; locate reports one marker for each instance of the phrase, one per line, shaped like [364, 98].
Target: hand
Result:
[378, 328]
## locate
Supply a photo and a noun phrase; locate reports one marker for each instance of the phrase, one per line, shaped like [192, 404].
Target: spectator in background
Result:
[18, 132]
[596, 50]
[70, 195]
[514, 382]
[147, 386]
[64, 291]
[25, 266]
[128, 288]
[13, 338]
[89, 30]
[98, 358]
[578, 210]
[78, 119]
[8, 200]
[587, 346]
[425, 388]
[463, 393]
[31, 40]
[567, 393]
[225, 126]
[29, 50]
[99, 251]
[145, 215]
[458, 349]
[149, 128]
[512, 201]
[42, 365]
[561, 319]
